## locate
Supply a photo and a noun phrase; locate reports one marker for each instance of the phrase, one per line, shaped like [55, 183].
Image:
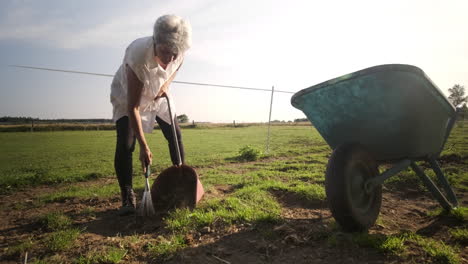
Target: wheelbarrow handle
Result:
[174, 133]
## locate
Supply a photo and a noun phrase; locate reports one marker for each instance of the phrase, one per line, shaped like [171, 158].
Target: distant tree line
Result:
[281, 121]
[301, 120]
[17, 120]
[28, 120]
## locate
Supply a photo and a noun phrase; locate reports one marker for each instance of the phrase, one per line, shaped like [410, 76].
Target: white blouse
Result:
[139, 56]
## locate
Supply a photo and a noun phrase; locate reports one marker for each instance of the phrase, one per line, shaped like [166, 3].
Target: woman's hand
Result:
[146, 157]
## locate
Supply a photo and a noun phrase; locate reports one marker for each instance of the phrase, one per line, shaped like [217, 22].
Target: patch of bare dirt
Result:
[452, 158]
[220, 190]
[296, 207]
[301, 238]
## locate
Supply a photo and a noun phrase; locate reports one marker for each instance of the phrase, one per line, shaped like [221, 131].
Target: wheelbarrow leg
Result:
[443, 181]
[371, 183]
[432, 187]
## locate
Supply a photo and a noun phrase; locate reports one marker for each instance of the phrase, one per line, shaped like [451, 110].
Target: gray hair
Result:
[174, 32]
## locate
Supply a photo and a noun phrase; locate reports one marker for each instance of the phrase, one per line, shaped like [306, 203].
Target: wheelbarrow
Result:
[388, 114]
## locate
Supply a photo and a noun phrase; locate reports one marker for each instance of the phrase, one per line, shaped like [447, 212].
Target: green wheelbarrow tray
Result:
[384, 114]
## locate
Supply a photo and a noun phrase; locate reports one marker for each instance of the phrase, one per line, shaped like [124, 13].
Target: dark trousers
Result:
[125, 146]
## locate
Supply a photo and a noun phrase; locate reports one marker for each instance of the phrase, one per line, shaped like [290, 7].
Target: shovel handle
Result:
[174, 133]
[148, 171]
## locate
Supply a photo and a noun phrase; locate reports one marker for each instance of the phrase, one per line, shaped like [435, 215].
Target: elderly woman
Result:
[148, 68]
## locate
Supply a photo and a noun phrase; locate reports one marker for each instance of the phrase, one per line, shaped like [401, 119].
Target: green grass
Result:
[246, 206]
[295, 167]
[399, 245]
[94, 190]
[300, 169]
[55, 221]
[439, 251]
[249, 153]
[164, 248]
[460, 235]
[108, 255]
[311, 192]
[61, 240]
[20, 248]
[50, 259]
[391, 244]
[113, 255]
[460, 213]
[29, 159]
[131, 240]
[456, 143]
[251, 203]
[387, 244]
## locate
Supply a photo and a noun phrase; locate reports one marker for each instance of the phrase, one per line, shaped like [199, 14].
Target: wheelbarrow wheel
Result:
[348, 169]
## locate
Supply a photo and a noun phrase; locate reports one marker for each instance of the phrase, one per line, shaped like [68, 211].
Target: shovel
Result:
[177, 186]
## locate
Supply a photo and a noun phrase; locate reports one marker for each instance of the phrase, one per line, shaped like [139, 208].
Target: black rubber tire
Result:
[353, 208]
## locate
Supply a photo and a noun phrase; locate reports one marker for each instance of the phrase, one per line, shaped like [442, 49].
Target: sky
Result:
[290, 45]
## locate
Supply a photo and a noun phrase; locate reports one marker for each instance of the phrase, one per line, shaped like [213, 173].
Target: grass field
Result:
[28, 159]
[278, 201]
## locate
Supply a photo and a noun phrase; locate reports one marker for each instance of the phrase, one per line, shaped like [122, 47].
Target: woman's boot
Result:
[128, 201]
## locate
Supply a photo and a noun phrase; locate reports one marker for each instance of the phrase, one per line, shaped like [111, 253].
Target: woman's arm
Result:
[135, 88]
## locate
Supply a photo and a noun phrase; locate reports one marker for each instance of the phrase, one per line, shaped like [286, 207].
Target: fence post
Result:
[269, 121]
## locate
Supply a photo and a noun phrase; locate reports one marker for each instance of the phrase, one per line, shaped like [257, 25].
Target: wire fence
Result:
[273, 91]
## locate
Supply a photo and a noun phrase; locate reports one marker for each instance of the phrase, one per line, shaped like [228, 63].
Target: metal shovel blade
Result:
[176, 187]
